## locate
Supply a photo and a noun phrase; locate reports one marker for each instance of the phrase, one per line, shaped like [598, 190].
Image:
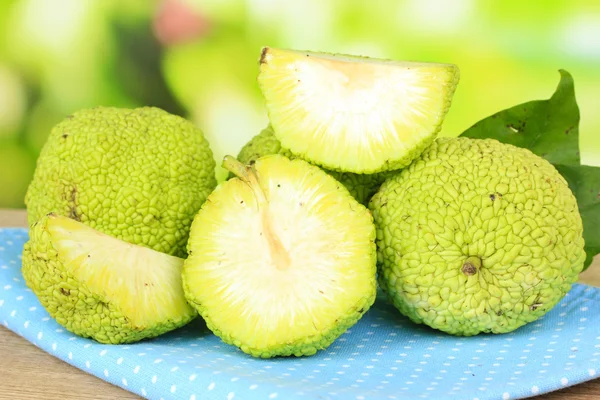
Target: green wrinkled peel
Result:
[550, 129]
[361, 186]
[139, 175]
[477, 236]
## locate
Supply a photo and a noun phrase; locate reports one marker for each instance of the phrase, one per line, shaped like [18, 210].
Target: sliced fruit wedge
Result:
[351, 113]
[281, 258]
[101, 287]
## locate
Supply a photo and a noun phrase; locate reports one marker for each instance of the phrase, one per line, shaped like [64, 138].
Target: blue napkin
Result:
[384, 356]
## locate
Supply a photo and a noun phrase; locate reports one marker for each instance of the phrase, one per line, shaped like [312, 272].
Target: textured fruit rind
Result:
[494, 202]
[307, 345]
[72, 304]
[139, 175]
[361, 186]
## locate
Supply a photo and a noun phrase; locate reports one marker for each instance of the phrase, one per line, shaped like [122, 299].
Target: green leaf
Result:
[550, 129]
[584, 181]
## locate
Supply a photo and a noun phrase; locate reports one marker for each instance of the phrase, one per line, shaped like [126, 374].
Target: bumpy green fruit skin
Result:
[360, 186]
[139, 175]
[477, 236]
[72, 304]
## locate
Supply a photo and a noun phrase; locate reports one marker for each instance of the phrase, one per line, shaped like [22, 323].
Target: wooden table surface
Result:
[27, 372]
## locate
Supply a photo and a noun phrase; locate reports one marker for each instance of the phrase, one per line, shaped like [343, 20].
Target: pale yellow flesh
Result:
[144, 284]
[358, 112]
[316, 270]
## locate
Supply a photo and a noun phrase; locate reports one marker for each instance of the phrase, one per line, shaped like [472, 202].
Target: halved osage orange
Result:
[354, 114]
[281, 258]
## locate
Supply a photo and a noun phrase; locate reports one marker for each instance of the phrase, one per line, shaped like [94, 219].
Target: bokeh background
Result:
[199, 59]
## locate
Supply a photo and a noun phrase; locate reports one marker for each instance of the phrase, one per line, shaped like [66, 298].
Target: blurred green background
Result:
[198, 59]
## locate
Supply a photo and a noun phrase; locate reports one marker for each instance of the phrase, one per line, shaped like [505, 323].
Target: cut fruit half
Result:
[282, 258]
[101, 287]
[354, 114]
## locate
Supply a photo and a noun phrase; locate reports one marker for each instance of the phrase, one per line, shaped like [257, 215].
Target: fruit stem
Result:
[248, 174]
[471, 265]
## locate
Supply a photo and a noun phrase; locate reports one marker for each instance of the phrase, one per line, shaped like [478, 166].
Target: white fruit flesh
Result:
[143, 283]
[283, 263]
[354, 114]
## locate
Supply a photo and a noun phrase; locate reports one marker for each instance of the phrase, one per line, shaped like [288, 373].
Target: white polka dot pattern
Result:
[384, 356]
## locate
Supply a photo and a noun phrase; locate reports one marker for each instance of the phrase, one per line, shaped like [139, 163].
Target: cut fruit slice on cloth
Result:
[101, 287]
[281, 258]
[351, 113]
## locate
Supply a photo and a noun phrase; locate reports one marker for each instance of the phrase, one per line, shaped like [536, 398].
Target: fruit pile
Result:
[348, 188]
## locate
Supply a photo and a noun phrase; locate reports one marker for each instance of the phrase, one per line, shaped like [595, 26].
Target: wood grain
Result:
[27, 372]
[13, 218]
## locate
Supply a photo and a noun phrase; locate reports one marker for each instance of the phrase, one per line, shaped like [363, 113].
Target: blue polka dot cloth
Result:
[384, 356]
